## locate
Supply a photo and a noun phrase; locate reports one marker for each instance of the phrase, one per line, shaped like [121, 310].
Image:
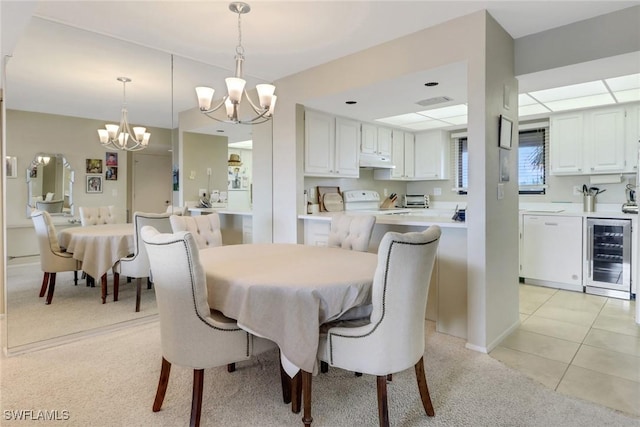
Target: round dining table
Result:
[99, 247]
[284, 292]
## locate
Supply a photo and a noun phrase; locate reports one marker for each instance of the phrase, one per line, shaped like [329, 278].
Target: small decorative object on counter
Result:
[459, 215]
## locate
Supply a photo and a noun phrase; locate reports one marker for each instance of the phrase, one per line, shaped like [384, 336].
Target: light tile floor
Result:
[582, 345]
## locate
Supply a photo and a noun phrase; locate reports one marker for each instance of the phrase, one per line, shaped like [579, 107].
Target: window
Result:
[532, 161]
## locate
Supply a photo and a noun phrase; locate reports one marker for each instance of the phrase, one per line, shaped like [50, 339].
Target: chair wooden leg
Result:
[231, 367]
[196, 402]
[422, 386]
[138, 293]
[383, 408]
[116, 285]
[103, 282]
[285, 380]
[75, 277]
[358, 374]
[306, 393]
[149, 283]
[163, 382]
[324, 367]
[52, 287]
[390, 377]
[296, 393]
[45, 283]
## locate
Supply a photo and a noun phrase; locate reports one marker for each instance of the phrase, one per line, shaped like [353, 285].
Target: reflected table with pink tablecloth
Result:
[98, 247]
[284, 292]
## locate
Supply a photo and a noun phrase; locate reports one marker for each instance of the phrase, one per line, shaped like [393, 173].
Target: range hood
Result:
[376, 161]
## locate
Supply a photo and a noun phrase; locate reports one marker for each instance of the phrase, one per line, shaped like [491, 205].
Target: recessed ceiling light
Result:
[431, 84]
[351, 102]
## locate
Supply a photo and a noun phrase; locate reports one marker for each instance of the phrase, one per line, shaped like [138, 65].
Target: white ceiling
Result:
[55, 67]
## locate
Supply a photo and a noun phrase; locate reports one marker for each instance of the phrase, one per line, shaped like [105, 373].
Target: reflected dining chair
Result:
[392, 339]
[177, 210]
[137, 264]
[204, 228]
[97, 215]
[191, 334]
[52, 258]
[351, 232]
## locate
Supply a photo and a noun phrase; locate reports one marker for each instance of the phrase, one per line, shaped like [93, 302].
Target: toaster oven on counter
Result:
[415, 201]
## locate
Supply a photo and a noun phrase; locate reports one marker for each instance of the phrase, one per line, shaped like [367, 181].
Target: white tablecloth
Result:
[99, 247]
[283, 292]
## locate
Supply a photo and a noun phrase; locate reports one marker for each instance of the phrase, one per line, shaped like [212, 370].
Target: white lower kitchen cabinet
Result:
[552, 251]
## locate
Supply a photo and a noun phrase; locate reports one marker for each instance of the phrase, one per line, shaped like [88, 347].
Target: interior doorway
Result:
[152, 182]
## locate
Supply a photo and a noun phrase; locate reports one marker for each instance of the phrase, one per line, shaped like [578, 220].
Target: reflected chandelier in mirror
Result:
[50, 185]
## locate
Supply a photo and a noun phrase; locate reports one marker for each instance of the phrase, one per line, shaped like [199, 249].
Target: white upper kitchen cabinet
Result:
[397, 155]
[331, 146]
[431, 156]
[565, 143]
[588, 142]
[403, 157]
[376, 140]
[632, 137]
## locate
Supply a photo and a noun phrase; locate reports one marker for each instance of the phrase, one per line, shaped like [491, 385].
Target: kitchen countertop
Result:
[221, 211]
[417, 217]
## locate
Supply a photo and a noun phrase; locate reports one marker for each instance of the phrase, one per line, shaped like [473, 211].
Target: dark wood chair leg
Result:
[390, 377]
[149, 283]
[285, 380]
[138, 293]
[52, 287]
[75, 277]
[103, 282]
[231, 367]
[358, 374]
[196, 402]
[424, 390]
[324, 367]
[383, 409]
[45, 283]
[307, 419]
[163, 382]
[116, 285]
[296, 393]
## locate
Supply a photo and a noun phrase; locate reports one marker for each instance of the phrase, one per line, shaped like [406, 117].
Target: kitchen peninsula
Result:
[447, 302]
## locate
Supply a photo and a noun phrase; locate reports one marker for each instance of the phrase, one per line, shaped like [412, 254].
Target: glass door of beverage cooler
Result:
[609, 257]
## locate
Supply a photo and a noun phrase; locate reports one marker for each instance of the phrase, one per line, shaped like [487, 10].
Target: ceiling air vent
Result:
[432, 101]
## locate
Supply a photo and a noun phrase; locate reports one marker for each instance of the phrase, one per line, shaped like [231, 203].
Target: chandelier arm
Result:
[256, 109]
[216, 108]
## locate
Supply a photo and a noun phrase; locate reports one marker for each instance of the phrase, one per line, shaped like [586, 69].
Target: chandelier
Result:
[235, 87]
[120, 136]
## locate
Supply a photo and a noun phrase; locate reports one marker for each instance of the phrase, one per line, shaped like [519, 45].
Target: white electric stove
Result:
[367, 202]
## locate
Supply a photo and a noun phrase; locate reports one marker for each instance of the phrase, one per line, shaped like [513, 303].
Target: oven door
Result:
[609, 257]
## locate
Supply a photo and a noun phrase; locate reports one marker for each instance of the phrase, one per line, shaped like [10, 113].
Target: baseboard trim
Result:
[493, 344]
[55, 342]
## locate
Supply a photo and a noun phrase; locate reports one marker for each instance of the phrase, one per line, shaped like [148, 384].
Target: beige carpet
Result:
[73, 309]
[110, 380]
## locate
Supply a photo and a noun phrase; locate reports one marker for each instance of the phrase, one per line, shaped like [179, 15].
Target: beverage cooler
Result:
[609, 257]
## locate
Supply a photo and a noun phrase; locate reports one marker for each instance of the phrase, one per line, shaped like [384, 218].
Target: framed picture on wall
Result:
[11, 164]
[94, 184]
[94, 166]
[111, 174]
[505, 164]
[506, 130]
[111, 158]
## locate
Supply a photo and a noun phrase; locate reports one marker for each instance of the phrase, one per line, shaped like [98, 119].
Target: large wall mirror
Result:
[50, 184]
[60, 88]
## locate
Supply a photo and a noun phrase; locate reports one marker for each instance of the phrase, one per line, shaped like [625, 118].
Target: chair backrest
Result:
[47, 239]
[186, 329]
[138, 264]
[97, 215]
[399, 299]
[176, 210]
[205, 228]
[54, 206]
[351, 232]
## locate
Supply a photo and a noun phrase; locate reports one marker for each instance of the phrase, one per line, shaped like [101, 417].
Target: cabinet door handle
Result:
[551, 223]
[589, 249]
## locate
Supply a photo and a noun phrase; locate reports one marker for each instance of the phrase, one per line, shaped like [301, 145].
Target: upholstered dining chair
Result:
[392, 339]
[52, 259]
[97, 215]
[137, 264]
[177, 210]
[191, 334]
[204, 228]
[53, 206]
[351, 232]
